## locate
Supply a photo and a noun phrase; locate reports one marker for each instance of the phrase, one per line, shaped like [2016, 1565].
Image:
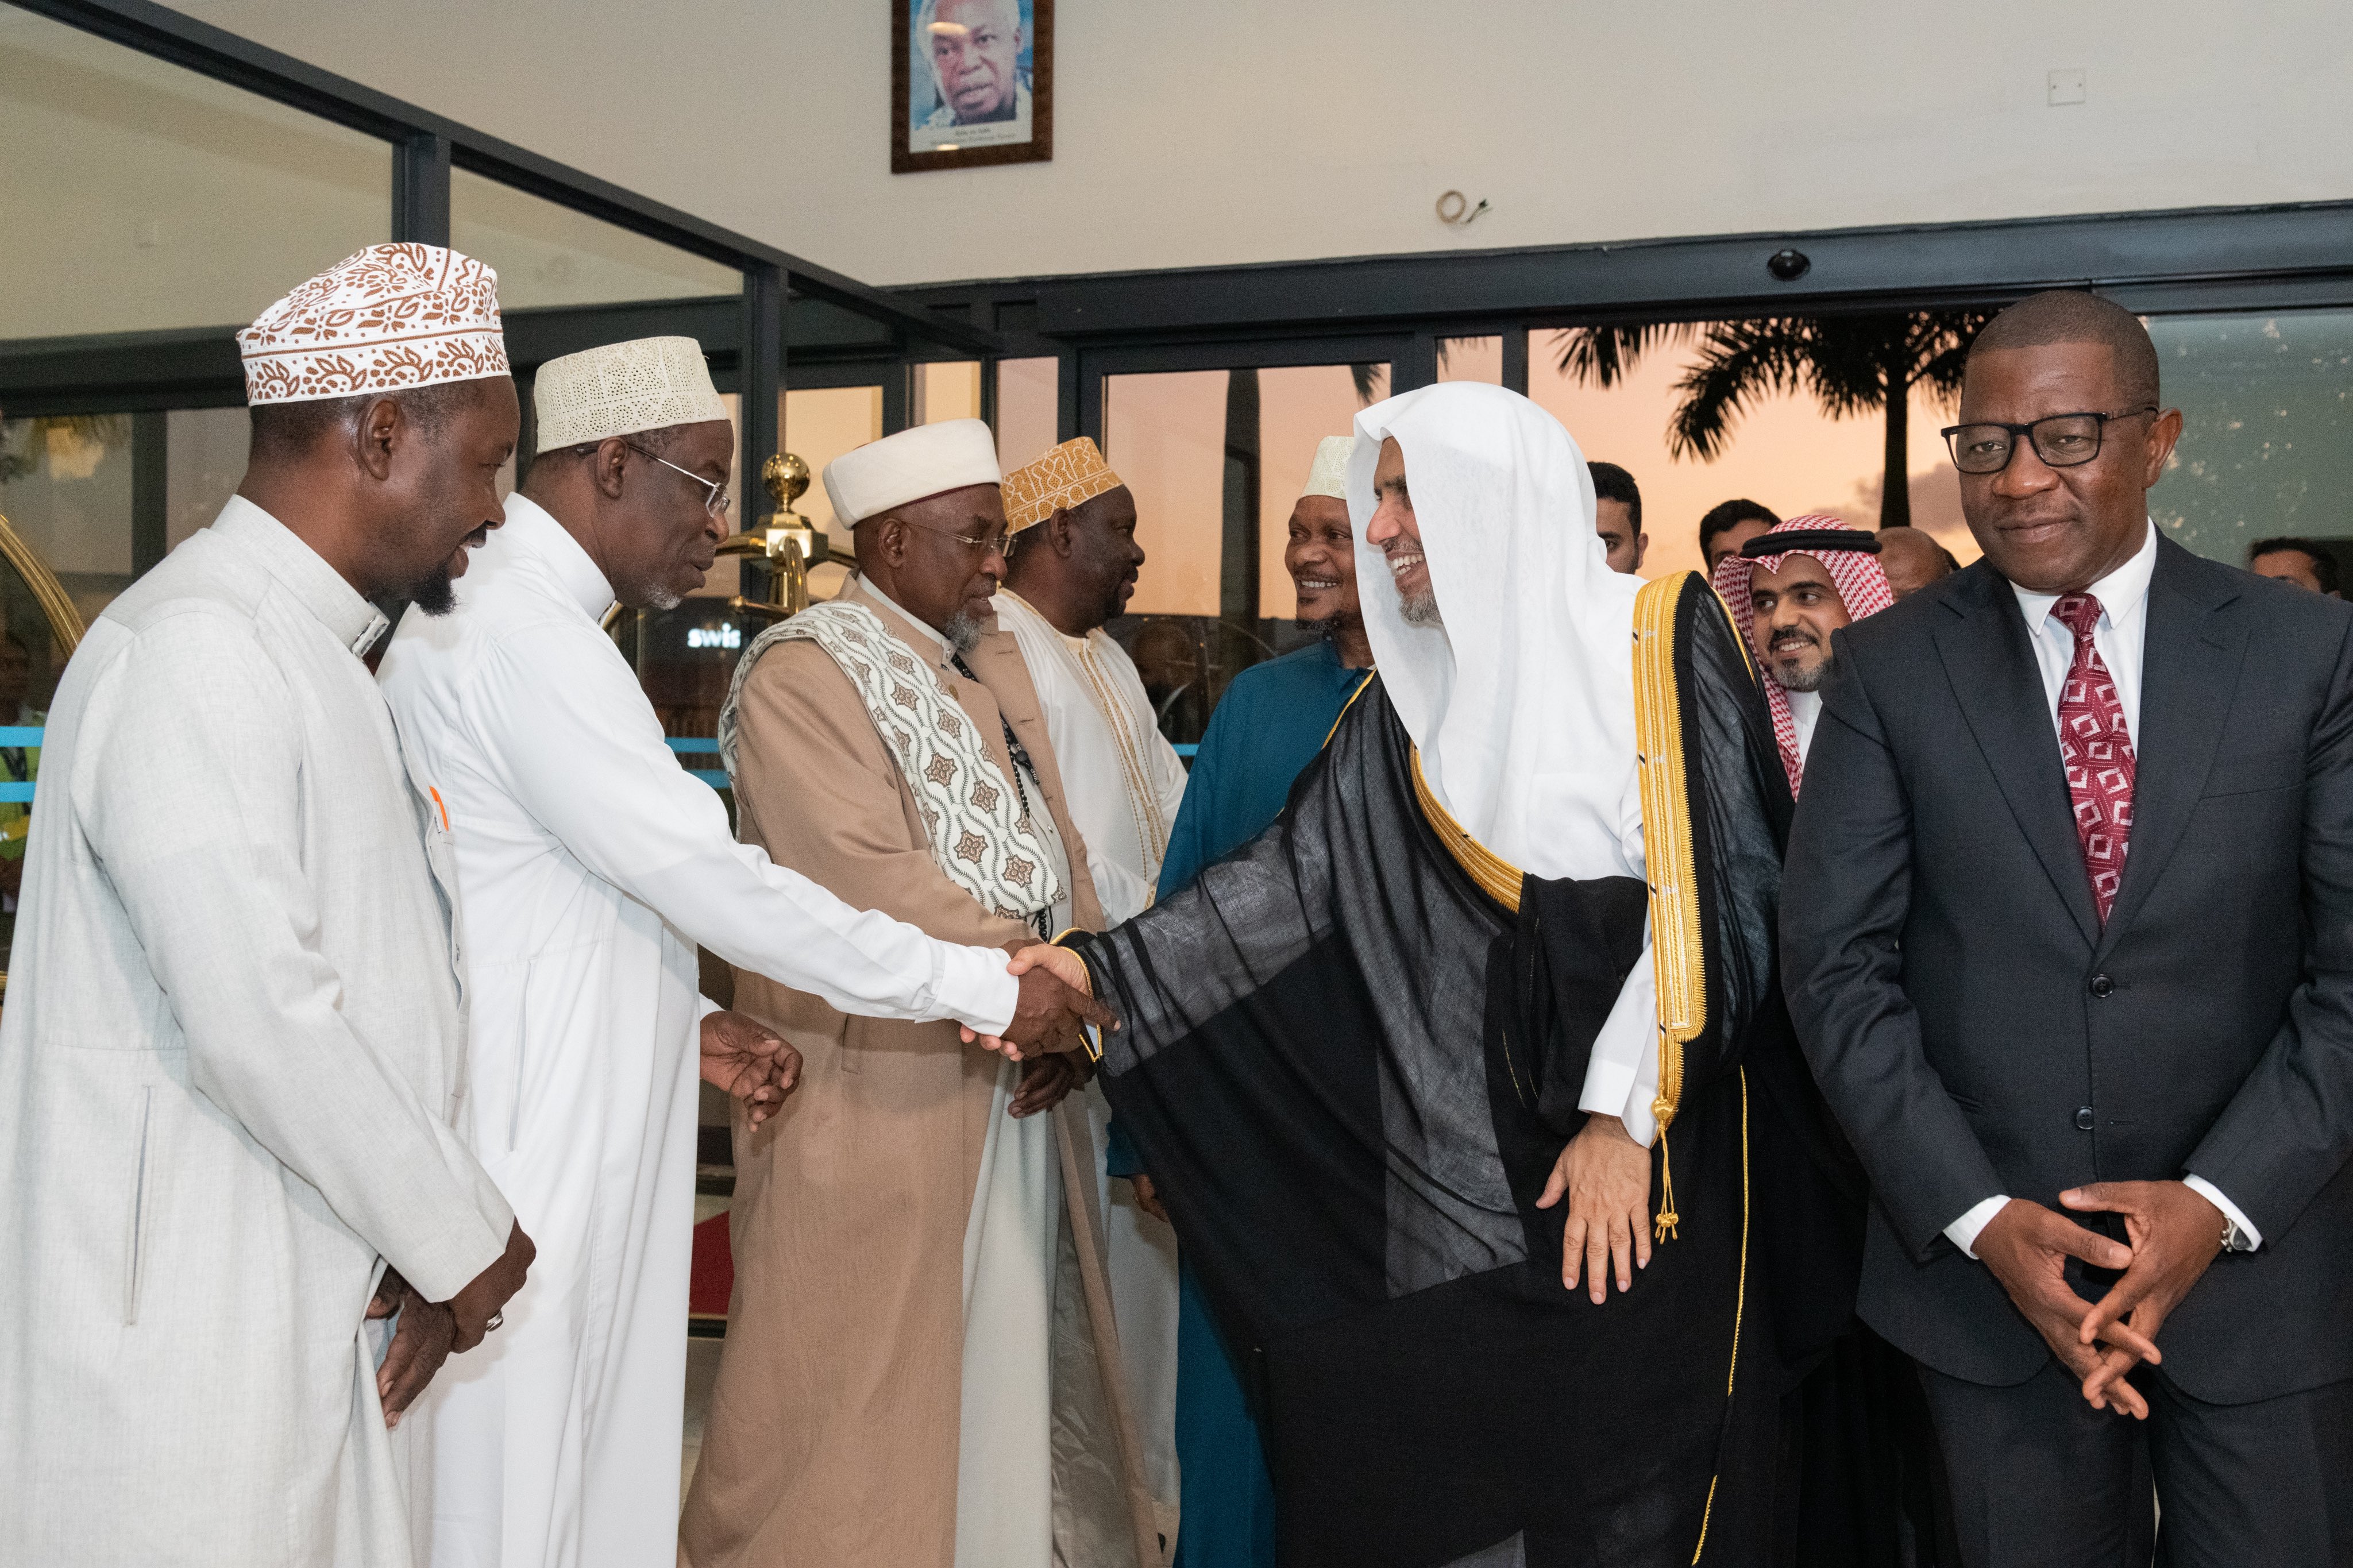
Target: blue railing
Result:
[700, 746]
[27, 735]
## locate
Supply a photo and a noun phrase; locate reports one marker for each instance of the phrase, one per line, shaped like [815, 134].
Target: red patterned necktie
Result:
[2098, 752]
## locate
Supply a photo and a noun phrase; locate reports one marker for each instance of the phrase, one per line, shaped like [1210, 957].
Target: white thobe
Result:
[590, 863]
[231, 1055]
[1124, 783]
[1124, 779]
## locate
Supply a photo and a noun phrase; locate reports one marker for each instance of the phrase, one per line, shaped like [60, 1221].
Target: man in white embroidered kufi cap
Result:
[921, 1367]
[590, 867]
[231, 1049]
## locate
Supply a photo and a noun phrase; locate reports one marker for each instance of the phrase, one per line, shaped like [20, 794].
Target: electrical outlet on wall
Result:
[2064, 87]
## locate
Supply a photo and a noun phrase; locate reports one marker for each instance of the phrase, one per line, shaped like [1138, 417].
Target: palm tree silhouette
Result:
[1851, 364]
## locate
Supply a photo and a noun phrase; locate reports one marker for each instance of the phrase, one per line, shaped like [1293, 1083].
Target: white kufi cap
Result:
[646, 384]
[1329, 476]
[912, 466]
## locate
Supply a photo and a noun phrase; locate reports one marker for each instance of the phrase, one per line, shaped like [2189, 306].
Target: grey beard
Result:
[1806, 679]
[1421, 610]
[963, 633]
[663, 599]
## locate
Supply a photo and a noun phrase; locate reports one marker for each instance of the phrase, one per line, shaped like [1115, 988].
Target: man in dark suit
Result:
[2068, 936]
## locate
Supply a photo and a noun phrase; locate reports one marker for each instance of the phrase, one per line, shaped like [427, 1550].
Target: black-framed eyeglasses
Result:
[715, 501]
[2060, 440]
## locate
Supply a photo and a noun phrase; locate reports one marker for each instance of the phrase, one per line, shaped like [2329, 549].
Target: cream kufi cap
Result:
[912, 466]
[390, 317]
[1073, 473]
[1329, 474]
[646, 384]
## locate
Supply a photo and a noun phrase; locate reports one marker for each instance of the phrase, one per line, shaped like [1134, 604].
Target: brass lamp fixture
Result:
[788, 543]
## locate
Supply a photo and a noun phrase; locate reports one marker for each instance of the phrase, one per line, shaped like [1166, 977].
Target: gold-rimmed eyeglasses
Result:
[715, 501]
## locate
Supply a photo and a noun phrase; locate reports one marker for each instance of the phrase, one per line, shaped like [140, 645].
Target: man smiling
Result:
[1789, 588]
[2068, 927]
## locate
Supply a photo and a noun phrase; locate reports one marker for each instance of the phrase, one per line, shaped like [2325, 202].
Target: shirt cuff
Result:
[974, 989]
[1963, 1232]
[703, 1007]
[1622, 1076]
[2213, 1195]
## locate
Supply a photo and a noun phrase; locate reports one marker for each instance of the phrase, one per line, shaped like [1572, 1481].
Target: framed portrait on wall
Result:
[971, 82]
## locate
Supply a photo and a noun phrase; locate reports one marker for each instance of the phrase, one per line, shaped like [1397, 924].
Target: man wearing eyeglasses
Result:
[2068, 937]
[920, 1369]
[588, 867]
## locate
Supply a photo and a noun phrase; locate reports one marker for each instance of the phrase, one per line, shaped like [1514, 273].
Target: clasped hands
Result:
[1047, 1035]
[2175, 1233]
[430, 1333]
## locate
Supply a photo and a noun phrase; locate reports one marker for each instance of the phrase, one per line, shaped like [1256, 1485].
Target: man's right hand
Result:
[1049, 1016]
[2026, 1246]
[488, 1292]
[1054, 1003]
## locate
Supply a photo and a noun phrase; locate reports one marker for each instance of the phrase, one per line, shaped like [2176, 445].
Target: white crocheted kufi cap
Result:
[912, 466]
[1329, 476]
[386, 319]
[646, 384]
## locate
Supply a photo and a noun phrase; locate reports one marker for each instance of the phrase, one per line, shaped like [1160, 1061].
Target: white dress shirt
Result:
[589, 867]
[1804, 713]
[2118, 637]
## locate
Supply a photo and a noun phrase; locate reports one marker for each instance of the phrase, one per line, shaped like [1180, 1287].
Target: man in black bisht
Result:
[1510, 944]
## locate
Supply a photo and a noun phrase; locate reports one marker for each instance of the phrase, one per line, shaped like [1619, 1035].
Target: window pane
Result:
[204, 463]
[1166, 434]
[1028, 409]
[64, 488]
[1470, 359]
[1783, 452]
[1204, 450]
[2267, 428]
[945, 392]
[144, 196]
[546, 254]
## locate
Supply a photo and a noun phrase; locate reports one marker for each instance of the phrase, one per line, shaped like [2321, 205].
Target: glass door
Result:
[1216, 442]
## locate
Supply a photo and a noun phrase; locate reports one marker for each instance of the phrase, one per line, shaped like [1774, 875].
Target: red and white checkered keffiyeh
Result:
[1862, 585]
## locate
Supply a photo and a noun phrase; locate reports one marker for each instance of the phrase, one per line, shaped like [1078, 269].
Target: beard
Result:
[1796, 676]
[1421, 609]
[963, 633]
[435, 592]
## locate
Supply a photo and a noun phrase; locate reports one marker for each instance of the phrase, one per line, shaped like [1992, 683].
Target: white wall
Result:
[1238, 131]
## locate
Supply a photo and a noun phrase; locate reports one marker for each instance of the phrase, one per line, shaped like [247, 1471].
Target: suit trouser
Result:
[2041, 1480]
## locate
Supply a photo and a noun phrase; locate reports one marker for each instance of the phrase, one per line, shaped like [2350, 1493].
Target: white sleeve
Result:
[1122, 894]
[1963, 1232]
[1621, 1080]
[2213, 1195]
[579, 748]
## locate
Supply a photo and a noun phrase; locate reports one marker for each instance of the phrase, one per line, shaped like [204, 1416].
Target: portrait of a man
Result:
[976, 83]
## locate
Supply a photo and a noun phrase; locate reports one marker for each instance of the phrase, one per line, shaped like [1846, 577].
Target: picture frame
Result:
[971, 83]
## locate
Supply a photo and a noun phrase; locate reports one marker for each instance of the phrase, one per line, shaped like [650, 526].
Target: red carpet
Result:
[713, 1275]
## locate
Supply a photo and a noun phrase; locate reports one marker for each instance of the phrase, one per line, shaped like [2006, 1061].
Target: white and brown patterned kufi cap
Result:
[646, 384]
[391, 318]
[1329, 474]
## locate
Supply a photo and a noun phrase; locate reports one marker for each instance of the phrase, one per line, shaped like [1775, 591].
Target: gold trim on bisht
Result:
[1676, 955]
[1496, 876]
